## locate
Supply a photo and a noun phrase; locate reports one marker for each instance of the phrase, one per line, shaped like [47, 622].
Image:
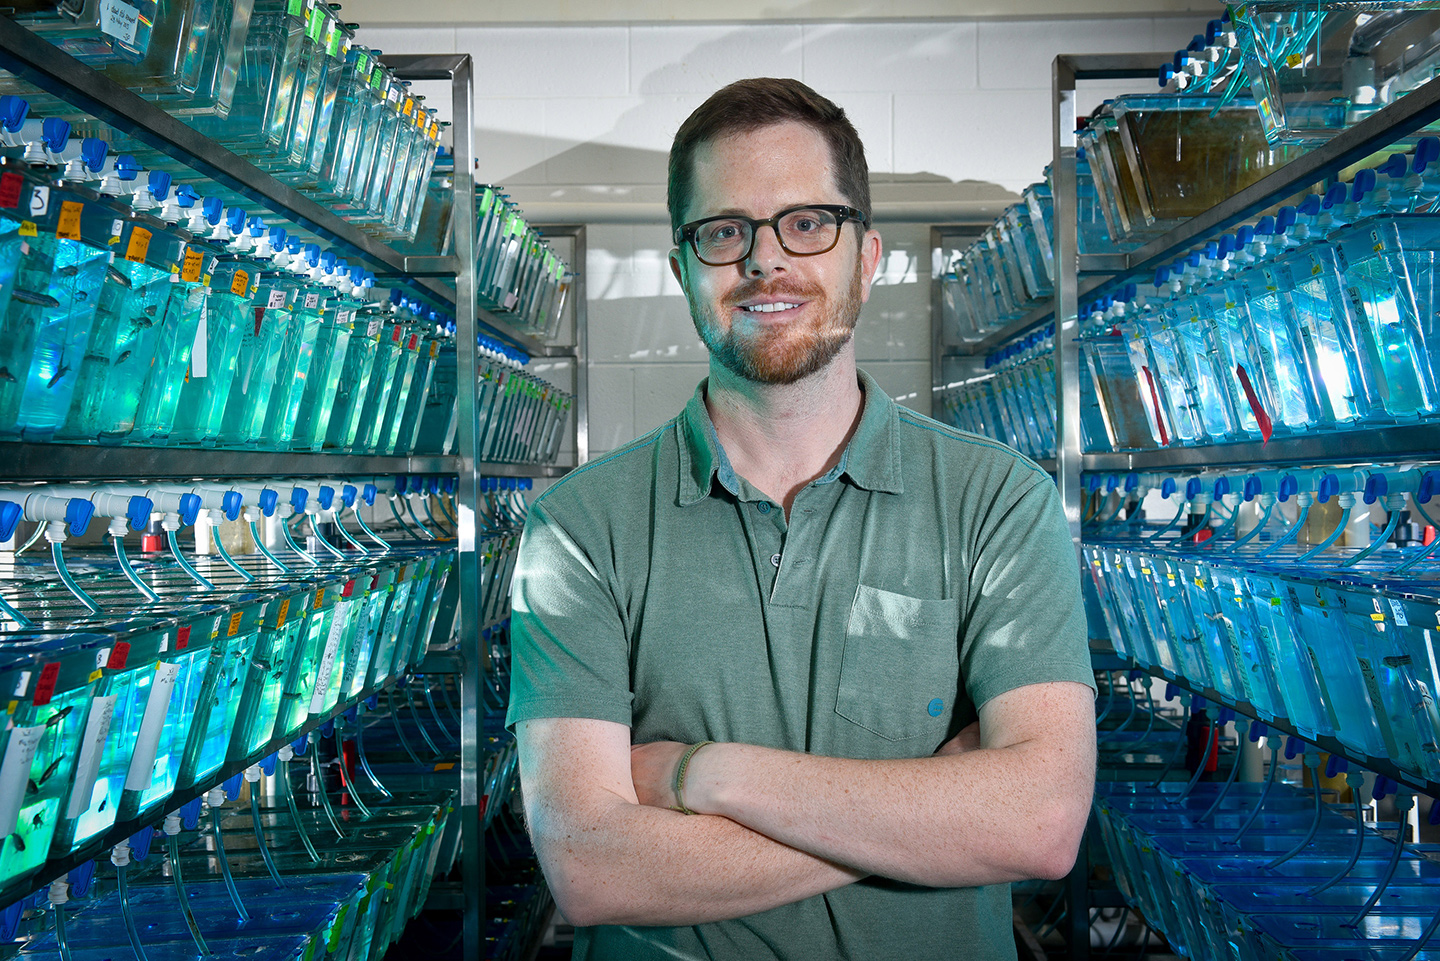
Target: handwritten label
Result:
[235, 619]
[200, 349]
[192, 265]
[182, 638]
[312, 301]
[11, 185]
[1398, 610]
[373, 328]
[92, 749]
[68, 226]
[284, 613]
[119, 654]
[39, 201]
[45, 687]
[119, 20]
[15, 772]
[139, 245]
[27, 229]
[147, 743]
[276, 299]
[240, 284]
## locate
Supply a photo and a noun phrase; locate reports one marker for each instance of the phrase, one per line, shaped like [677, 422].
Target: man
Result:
[830, 589]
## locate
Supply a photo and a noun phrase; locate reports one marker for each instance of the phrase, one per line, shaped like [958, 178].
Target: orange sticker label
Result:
[284, 612]
[190, 269]
[234, 623]
[139, 245]
[319, 598]
[69, 225]
[241, 284]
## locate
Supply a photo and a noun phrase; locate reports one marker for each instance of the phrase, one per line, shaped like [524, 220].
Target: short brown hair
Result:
[747, 105]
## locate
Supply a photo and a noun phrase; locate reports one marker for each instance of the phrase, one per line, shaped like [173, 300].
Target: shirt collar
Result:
[871, 460]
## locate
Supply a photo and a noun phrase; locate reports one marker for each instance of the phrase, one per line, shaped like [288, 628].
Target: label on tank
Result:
[1398, 610]
[276, 299]
[119, 20]
[147, 742]
[139, 245]
[68, 226]
[240, 284]
[45, 686]
[92, 749]
[200, 350]
[11, 185]
[15, 772]
[373, 329]
[191, 267]
[327, 661]
[40, 201]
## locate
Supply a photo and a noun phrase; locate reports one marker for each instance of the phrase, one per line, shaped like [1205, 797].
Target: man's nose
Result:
[766, 256]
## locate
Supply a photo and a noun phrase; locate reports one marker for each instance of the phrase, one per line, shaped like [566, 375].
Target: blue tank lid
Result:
[159, 184]
[54, 134]
[10, 514]
[78, 512]
[13, 111]
[190, 505]
[93, 151]
[137, 511]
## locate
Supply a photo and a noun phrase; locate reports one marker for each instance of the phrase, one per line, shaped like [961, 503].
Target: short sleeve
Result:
[1026, 618]
[568, 650]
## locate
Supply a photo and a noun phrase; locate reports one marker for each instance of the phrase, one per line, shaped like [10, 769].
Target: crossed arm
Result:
[776, 826]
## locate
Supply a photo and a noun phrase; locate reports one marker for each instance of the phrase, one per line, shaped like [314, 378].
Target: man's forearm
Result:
[626, 863]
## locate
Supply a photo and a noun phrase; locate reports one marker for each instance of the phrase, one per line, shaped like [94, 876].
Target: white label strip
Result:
[92, 749]
[327, 660]
[142, 764]
[15, 773]
[200, 351]
[119, 20]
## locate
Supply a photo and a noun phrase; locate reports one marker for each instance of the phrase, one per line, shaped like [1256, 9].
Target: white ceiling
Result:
[489, 12]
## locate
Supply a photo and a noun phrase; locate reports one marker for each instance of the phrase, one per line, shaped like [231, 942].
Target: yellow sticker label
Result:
[434, 348]
[10, 708]
[69, 224]
[139, 245]
[1377, 617]
[1294, 60]
[284, 613]
[235, 620]
[96, 674]
[319, 598]
[27, 229]
[1200, 583]
[445, 766]
[190, 269]
[240, 284]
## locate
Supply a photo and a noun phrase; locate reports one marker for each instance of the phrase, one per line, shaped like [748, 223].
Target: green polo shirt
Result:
[929, 571]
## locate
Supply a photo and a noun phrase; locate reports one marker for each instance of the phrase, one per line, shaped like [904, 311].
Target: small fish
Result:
[59, 716]
[68, 271]
[103, 801]
[124, 357]
[39, 818]
[64, 369]
[119, 278]
[54, 766]
[6, 376]
[31, 297]
[150, 311]
[19, 841]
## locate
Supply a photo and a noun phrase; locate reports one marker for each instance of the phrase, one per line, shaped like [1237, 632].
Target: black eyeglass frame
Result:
[842, 212]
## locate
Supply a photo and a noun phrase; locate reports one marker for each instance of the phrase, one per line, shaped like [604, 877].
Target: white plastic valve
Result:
[59, 892]
[120, 854]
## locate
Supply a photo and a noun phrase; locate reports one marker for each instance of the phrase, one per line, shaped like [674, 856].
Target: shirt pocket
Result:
[899, 674]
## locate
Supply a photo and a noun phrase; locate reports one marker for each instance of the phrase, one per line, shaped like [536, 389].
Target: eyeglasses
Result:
[802, 231]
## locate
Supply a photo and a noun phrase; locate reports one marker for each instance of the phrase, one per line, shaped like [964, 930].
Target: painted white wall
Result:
[948, 109]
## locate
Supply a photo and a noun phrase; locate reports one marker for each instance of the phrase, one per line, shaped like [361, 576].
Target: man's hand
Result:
[967, 740]
[652, 766]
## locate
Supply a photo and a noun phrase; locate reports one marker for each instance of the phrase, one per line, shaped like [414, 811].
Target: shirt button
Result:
[763, 507]
[775, 559]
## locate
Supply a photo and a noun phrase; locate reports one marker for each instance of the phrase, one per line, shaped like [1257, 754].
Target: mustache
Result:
[783, 288]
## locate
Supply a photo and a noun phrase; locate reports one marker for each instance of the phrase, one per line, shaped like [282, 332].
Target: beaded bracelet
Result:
[680, 777]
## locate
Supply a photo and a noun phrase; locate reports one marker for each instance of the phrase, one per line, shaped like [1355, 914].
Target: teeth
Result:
[770, 308]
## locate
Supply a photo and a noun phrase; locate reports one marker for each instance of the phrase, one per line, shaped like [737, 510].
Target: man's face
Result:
[811, 303]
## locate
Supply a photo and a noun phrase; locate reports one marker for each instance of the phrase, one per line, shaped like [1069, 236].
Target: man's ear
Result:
[676, 267]
[871, 250]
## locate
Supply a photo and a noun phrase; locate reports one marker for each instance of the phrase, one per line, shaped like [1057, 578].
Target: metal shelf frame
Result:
[51, 70]
[1381, 443]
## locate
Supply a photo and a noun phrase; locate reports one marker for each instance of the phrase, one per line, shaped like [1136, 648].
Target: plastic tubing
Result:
[58, 555]
[225, 862]
[1312, 761]
[1290, 532]
[435, 713]
[256, 823]
[39, 532]
[318, 773]
[172, 843]
[285, 755]
[1134, 706]
[60, 939]
[1426, 552]
[120, 857]
[1404, 800]
[290, 540]
[1179, 513]
[1425, 936]
[260, 543]
[339, 526]
[1212, 745]
[1223, 529]
[345, 776]
[365, 764]
[195, 575]
[1184, 722]
[1260, 801]
[400, 731]
[430, 515]
[129, 571]
[410, 509]
[401, 520]
[1110, 697]
[1354, 780]
[329, 548]
[229, 561]
[1255, 531]
[1332, 536]
[420, 725]
[1377, 543]
[23, 621]
[384, 545]
[1241, 726]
